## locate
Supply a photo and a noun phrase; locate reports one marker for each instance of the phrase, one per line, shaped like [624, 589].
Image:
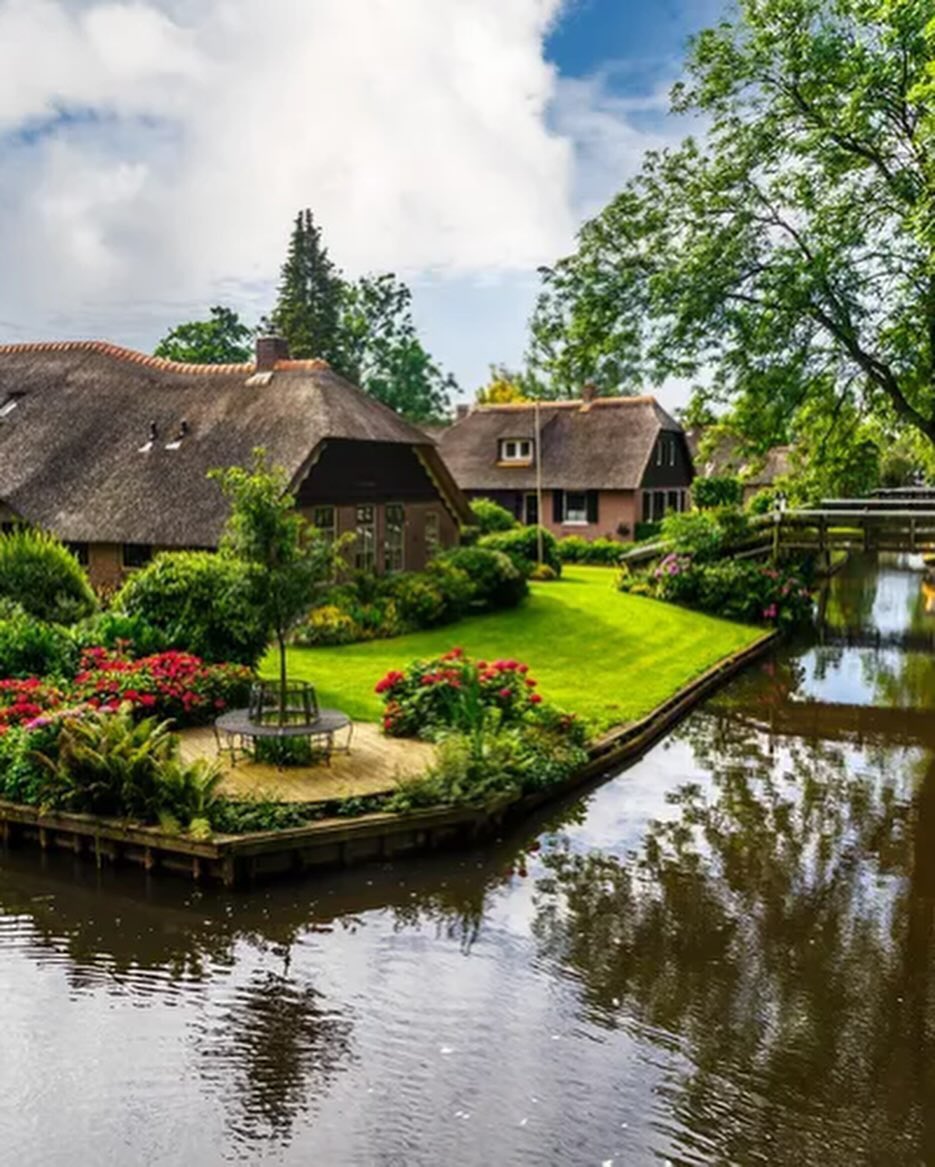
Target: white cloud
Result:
[153, 153]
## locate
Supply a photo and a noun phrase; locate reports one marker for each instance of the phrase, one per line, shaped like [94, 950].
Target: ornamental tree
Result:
[291, 562]
[790, 252]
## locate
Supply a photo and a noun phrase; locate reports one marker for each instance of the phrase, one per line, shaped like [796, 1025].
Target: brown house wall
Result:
[415, 547]
[616, 509]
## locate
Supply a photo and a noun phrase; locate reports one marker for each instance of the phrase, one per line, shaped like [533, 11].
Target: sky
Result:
[154, 152]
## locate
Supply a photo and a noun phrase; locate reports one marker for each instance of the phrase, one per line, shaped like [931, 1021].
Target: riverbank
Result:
[343, 841]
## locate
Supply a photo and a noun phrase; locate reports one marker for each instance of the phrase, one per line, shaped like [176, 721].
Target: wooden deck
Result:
[374, 766]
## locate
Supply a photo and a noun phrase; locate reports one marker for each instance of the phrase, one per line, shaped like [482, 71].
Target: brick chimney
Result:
[269, 350]
[462, 409]
[588, 392]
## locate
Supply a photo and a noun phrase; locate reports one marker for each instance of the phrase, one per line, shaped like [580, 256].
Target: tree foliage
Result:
[224, 339]
[793, 250]
[291, 563]
[311, 293]
[383, 352]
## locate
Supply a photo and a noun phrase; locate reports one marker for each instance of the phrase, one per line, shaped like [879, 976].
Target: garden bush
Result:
[172, 685]
[420, 601]
[496, 580]
[522, 546]
[720, 490]
[490, 517]
[542, 573]
[117, 630]
[454, 692]
[200, 601]
[40, 573]
[646, 532]
[695, 533]
[31, 647]
[601, 552]
[752, 593]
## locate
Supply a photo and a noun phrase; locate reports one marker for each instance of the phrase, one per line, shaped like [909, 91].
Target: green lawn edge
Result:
[609, 657]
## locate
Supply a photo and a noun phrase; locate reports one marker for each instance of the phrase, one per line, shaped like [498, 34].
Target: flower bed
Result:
[734, 589]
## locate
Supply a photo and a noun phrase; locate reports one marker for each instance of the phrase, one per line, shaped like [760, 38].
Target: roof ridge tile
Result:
[119, 352]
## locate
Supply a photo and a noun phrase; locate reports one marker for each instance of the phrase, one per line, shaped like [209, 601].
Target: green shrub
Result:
[496, 580]
[328, 624]
[455, 585]
[646, 532]
[40, 573]
[490, 517]
[22, 773]
[763, 502]
[736, 589]
[542, 573]
[601, 552]
[695, 533]
[117, 630]
[32, 648]
[199, 601]
[522, 546]
[734, 524]
[420, 602]
[724, 490]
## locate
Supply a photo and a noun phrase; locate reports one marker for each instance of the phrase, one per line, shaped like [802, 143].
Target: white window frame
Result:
[365, 527]
[9, 403]
[328, 531]
[575, 517]
[671, 444]
[394, 554]
[433, 534]
[519, 450]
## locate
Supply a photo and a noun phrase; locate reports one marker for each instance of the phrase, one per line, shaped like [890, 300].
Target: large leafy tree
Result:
[791, 252]
[383, 352]
[223, 339]
[311, 296]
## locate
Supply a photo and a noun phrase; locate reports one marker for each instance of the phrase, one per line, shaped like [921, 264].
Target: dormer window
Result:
[8, 404]
[517, 451]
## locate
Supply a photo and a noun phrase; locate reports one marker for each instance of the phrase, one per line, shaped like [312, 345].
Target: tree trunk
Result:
[280, 637]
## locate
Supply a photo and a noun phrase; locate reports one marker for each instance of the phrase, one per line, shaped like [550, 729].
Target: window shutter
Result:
[558, 506]
[593, 496]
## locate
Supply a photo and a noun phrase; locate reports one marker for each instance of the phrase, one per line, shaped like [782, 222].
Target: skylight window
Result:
[9, 403]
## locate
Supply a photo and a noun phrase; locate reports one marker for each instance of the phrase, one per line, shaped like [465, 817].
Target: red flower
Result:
[535, 698]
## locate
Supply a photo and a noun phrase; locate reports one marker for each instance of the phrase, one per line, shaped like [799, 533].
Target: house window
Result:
[575, 508]
[394, 537]
[671, 444]
[324, 520]
[364, 556]
[517, 450]
[81, 552]
[531, 510]
[136, 554]
[660, 452]
[433, 536]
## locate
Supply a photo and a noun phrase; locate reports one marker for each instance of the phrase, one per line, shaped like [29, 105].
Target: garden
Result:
[506, 665]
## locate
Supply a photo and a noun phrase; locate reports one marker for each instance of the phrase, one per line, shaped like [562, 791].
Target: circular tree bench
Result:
[293, 716]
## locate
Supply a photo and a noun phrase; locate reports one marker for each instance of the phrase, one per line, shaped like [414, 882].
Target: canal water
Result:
[726, 954]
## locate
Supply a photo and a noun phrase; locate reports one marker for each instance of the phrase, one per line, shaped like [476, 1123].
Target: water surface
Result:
[722, 955]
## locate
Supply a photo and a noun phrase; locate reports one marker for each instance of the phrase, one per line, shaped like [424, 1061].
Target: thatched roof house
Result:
[606, 463]
[723, 454]
[110, 449]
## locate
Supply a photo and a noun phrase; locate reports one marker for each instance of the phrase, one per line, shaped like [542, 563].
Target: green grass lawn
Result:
[606, 656]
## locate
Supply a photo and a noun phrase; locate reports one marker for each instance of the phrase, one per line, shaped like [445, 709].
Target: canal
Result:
[726, 954]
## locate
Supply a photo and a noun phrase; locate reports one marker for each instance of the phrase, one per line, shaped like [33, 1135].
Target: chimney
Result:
[269, 350]
[462, 409]
[588, 392]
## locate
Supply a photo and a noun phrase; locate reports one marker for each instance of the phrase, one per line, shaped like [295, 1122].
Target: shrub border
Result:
[237, 860]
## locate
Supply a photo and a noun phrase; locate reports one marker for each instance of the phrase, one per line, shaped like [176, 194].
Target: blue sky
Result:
[154, 152]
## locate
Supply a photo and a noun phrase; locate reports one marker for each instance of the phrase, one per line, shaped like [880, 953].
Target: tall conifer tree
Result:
[311, 292]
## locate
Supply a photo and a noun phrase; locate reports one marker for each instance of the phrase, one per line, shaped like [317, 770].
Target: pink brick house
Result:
[607, 463]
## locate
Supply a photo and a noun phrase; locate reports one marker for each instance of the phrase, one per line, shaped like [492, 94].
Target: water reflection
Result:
[725, 955]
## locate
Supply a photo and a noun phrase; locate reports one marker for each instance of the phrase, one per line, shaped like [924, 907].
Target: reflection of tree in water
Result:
[274, 1047]
[779, 930]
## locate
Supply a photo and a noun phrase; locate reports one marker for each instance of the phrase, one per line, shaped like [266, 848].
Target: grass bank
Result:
[609, 657]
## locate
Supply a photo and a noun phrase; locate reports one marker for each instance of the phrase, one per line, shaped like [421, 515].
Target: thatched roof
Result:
[74, 453]
[604, 444]
[726, 455]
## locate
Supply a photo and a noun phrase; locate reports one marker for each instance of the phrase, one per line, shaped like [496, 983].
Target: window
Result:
[671, 444]
[531, 510]
[364, 557]
[9, 403]
[324, 520]
[80, 552]
[575, 509]
[660, 452]
[433, 537]
[136, 554]
[394, 537]
[516, 450]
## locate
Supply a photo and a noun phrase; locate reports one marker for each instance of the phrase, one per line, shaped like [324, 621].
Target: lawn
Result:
[606, 656]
